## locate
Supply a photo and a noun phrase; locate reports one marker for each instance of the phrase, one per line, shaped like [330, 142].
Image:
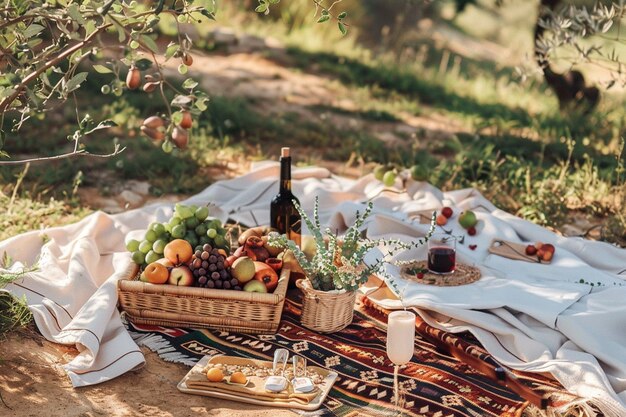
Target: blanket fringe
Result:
[162, 347]
[573, 407]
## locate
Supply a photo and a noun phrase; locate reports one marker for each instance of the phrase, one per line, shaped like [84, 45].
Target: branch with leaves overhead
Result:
[48, 49]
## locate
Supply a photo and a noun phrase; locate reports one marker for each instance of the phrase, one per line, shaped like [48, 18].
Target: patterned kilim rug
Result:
[433, 384]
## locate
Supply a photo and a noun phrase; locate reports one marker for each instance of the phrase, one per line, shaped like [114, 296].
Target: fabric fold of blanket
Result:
[531, 317]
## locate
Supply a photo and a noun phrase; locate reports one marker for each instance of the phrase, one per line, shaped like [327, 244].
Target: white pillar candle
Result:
[400, 336]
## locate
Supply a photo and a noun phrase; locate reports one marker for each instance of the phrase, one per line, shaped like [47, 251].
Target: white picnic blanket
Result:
[529, 316]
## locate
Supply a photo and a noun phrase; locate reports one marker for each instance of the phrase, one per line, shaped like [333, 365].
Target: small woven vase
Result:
[325, 311]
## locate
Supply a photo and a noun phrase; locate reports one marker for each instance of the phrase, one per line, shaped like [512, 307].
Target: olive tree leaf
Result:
[74, 12]
[143, 64]
[342, 28]
[172, 48]
[105, 124]
[190, 83]
[181, 101]
[32, 30]
[150, 43]
[75, 81]
[102, 69]
[323, 18]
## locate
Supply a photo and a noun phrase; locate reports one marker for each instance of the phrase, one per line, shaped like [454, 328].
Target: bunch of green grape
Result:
[191, 223]
[387, 174]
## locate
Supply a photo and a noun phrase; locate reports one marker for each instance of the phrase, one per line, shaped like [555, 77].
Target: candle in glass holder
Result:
[400, 336]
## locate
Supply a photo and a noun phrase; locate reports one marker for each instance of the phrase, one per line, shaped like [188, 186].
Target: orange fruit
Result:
[238, 378]
[441, 220]
[156, 273]
[215, 375]
[178, 251]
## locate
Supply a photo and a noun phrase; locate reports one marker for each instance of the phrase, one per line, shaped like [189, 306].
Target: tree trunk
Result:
[569, 87]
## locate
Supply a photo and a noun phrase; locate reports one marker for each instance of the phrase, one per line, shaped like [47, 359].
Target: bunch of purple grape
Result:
[208, 268]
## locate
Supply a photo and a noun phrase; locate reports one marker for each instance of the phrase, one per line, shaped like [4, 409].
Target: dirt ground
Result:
[33, 384]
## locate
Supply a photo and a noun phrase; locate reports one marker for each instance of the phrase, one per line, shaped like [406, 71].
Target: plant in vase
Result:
[337, 268]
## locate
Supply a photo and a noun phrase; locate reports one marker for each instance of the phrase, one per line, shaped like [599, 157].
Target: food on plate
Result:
[238, 378]
[215, 375]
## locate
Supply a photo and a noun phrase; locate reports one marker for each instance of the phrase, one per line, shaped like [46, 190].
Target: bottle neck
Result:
[285, 175]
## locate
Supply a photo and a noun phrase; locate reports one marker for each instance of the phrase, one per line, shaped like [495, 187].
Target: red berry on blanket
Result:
[547, 256]
[447, 211]
[420, 275]
[548, 247]
[473, 247]
[441, 220]
[531, 250]
[471, 231]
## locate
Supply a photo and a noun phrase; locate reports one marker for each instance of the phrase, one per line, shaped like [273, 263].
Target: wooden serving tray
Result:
[513, 250]
[254, 393]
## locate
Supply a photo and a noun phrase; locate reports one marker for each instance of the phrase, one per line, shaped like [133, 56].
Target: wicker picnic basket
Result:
[173, 306]
[325, 311]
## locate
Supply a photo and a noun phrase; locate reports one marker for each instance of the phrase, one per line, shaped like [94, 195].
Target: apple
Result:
[181, 276]
[255, 286]
[468, 219]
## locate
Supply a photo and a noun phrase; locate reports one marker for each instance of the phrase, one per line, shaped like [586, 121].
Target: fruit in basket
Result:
[255, 286]
[166, 263]
[272, 250]
[266, 275]
[152, 256]
[275, 263]
[178, 251]
[156, 273]
[138, 257]
[243, 269]
[132, 245]
[181, 276]
[215, 375]
[209, 268]
[468, 219]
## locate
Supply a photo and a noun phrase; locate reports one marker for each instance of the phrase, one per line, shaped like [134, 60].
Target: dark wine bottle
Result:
[283, 214]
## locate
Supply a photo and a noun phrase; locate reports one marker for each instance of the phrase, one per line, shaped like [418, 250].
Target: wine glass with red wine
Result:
[442, 253]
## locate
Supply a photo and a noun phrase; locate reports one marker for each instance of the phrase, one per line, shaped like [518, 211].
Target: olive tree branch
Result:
[62, 56]
[80, 152]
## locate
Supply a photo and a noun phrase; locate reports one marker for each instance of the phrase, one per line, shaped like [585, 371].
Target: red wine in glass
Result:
[441, 259]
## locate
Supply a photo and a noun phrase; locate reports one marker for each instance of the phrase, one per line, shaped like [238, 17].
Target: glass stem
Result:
[396, 390]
